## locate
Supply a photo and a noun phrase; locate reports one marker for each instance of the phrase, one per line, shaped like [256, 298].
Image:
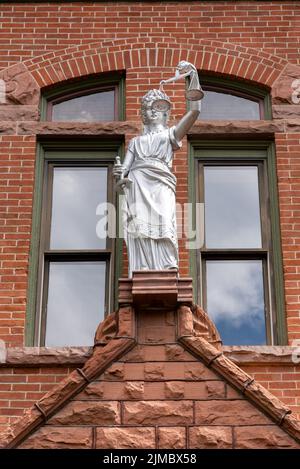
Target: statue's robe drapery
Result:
[149, 205]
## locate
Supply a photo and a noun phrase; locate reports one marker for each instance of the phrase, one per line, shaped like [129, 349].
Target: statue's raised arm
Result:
[194, 95]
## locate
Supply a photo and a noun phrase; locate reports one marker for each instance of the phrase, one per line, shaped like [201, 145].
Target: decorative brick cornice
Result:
[133, 53]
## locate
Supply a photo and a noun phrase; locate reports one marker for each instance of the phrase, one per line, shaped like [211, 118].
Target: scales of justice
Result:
[146, 181]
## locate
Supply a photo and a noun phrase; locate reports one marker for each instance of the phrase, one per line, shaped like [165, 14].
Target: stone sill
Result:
[121, 128]
[261, 354]
[285, 121]
[76, 356]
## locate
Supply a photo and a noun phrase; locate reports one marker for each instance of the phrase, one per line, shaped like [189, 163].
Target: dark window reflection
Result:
[89, 108]
[232, 212]
[235, 301]
[76, 299]
[222, 106]
[76, 194]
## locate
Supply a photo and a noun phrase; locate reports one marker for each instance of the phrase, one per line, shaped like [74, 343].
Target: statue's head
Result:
[148, 113]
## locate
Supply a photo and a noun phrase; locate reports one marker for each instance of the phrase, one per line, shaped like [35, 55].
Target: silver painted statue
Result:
[147, 181]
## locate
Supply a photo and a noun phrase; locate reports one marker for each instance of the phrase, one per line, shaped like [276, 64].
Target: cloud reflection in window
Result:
[235, 300]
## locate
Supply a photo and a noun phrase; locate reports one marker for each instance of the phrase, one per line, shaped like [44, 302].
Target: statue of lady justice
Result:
[146, 179]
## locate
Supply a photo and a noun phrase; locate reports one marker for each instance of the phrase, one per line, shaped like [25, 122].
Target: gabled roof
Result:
[116, 336]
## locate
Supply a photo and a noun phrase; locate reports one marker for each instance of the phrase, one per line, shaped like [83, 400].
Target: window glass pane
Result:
[76, 298]
[235, 301]
[232, 212]
[89, 108]
[76, 194]
[223, 106]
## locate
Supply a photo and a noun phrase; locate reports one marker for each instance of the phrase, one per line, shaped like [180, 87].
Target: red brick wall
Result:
[30, 30]
[21, 387]
[16, 188]
[251, 40]
[281, 380]
[288, 166]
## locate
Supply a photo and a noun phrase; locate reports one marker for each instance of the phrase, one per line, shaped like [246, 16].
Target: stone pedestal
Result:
[155, 290]
[155, 297]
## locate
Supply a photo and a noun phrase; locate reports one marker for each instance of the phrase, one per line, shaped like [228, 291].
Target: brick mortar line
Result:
[170, 425]
[161, 399]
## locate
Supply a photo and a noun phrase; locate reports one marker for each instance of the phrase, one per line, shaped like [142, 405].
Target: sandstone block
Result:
[157, 334]
[175, 353]
[282, 88]
[214, 389]
[135, 355]
[154, 353]
[133, 371]
[117, 390]
[125, 438]
[241, 128]
[92, 391]
[174, 370]
[126, 322]
[230, 412]
[263, 437]
[193, 390]
[286, 111]
[198, 371]
[50, 437]
[203, 389]
[158, 412]
[115, 371]
[185, 321]
[232, 393]
[79, 128]
[114, 390]
[19, 113]
[154, 371]
[154, 390]
[62, 391]
[293, 125]
[21, 88]
[48, 356]
[184, 390]
[134, 390]
[156, 327]
[174, 389]
[171, 438]
[7, 128]
[210, 437]
[88, 413]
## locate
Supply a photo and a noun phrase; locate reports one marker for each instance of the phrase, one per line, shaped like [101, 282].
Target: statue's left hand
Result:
[185, 67]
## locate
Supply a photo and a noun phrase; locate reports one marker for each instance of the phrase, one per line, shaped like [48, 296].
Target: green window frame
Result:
[64, 153]
[258, 153]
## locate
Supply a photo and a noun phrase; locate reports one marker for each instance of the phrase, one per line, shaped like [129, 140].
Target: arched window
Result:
[92, 100]
[96, 105]
[226, 100]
